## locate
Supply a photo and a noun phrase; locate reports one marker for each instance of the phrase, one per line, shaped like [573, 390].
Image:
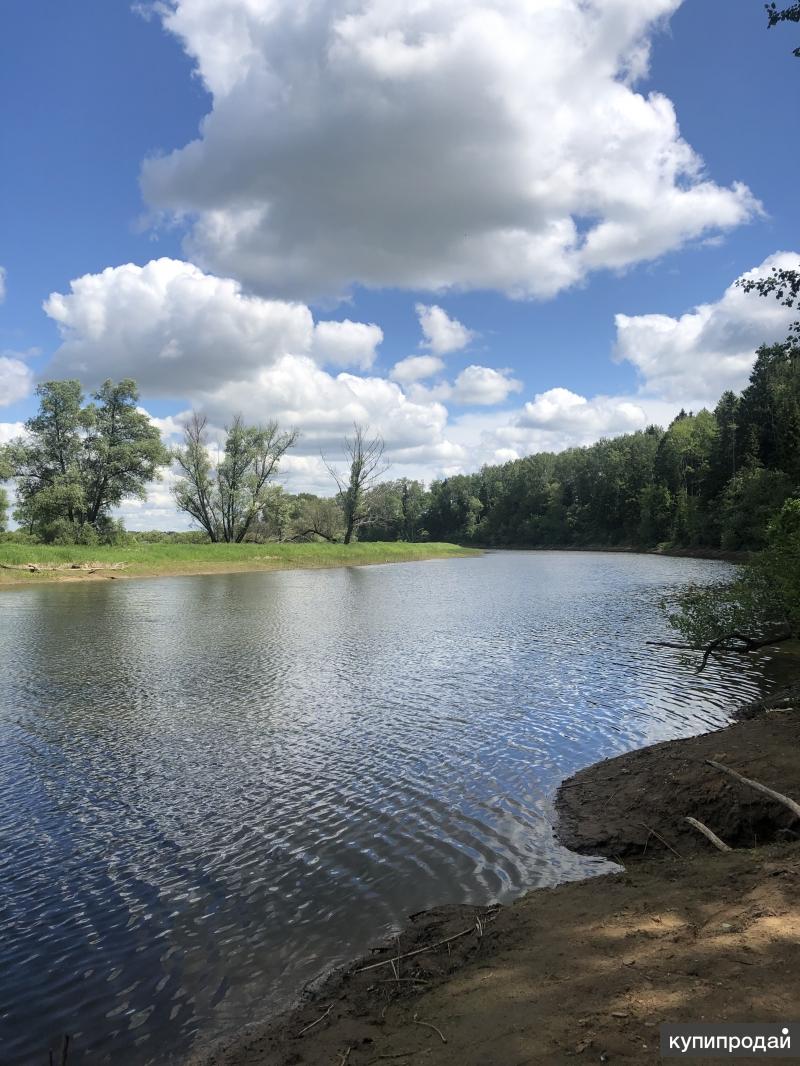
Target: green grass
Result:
[145, 560]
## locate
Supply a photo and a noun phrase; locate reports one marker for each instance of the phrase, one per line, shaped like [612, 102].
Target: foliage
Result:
[226, 496]
[76, 463]
[763, 599]
[785, 14]
[3, 509]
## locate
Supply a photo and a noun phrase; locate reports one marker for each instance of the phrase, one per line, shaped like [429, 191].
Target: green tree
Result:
[76, 463]
[226, 496]
[365, 466]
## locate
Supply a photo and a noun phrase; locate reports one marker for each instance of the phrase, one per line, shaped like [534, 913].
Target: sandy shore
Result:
[586, 972]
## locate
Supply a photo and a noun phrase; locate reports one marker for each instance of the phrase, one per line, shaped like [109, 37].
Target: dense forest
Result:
[712, 478]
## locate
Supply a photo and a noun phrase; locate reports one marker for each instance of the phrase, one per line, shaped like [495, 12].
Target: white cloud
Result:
[346, 343]
[709, 349]
[483, 385]
[551, 422]
[442, 333]
[16, 379]
[10, 430]
[416, 368]
[438, 144]
[170, 326]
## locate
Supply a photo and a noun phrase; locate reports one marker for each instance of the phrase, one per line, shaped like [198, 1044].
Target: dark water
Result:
[212, 788]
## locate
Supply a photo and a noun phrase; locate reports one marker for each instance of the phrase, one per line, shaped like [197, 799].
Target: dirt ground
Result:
[586, 972]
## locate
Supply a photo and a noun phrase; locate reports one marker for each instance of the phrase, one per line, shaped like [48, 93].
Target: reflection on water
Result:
[212, 788]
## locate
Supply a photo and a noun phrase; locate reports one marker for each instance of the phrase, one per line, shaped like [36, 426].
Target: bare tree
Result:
[225, 498]
[366, 466]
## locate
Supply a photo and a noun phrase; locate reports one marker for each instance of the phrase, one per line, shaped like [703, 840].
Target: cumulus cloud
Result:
[466, 144]
[168, 324]
[442, 334]
[346, 343]
[483, 385]
[416, 368]
[709, 349]
[16, 379]
[11, 430]
[182, 333]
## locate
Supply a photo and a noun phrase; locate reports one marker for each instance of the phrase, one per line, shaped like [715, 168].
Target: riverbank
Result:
[587, 971]
[721, 554]
[78, 563]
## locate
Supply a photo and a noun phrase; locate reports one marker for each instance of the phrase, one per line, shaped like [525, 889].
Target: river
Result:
[213, 788]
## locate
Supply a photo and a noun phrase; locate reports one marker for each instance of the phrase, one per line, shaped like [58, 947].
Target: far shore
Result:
[50, 564]
[588, 971]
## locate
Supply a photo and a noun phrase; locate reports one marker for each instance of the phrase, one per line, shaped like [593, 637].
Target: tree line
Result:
[712, 479]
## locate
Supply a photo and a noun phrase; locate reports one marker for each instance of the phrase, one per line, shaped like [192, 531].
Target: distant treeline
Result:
[711, 479]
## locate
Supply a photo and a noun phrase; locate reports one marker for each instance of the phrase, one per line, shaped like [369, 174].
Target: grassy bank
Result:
[152, 560]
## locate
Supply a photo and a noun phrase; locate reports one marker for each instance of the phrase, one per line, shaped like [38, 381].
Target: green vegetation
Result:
[142, 559]
[77, 462]
[226, 498]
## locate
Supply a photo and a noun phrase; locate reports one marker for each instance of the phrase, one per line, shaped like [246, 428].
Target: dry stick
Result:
[663, 841]
[345, 1057]
[778, 796]
[428, 1025]
[419, 951]
[709, 834]
[320, 1019]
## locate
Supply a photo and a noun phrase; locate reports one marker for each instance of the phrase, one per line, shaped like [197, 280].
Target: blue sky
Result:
[91, 90]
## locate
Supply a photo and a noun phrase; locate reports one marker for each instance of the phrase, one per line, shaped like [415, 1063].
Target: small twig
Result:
[777, 796]
[409, 980]
[435, 1028]
[345, 1057]
[709, 834]
[419, 951]
[663, 841]
[65, 1050]
[321, 1019]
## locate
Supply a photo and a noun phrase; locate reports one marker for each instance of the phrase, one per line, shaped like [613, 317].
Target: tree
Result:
[366, 466]
[78, 462]
[760, 606]
[785, 14]
[225, 497]
[3, 510]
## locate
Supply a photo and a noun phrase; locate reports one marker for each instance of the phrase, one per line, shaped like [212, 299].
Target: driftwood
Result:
[84, 568]
[777, 796]
[708, 834]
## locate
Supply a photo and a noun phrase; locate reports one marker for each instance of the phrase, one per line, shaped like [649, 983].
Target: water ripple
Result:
[211, 789]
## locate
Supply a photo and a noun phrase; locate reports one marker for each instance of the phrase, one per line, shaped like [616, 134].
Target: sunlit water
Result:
[213, 788]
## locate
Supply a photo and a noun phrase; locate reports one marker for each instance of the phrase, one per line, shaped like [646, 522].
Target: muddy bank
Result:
[589, 970]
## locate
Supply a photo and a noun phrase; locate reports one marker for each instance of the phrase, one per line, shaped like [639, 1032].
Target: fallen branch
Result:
[777, 796]
[709, 834]
[85, 568]
[748, 643]
[435, 1028]
[419, 951]
[320, 1019]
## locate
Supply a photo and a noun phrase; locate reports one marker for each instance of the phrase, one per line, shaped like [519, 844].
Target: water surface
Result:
[212, 788]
